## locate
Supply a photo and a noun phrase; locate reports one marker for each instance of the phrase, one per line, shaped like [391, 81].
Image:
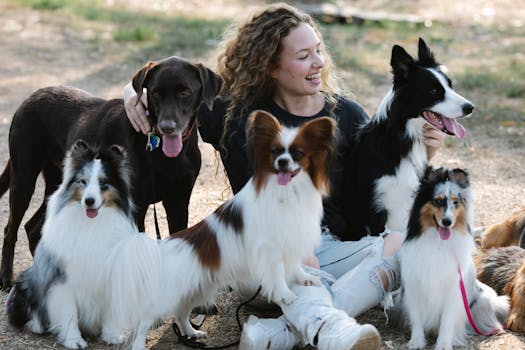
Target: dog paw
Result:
[112, 338]
[441, 346]
[75, 343]
[414, 344]
[287, 298]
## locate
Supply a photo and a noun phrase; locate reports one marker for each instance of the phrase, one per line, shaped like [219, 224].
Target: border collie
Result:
[437, 251]
[68, 287]
[504, 270]
[389, 157]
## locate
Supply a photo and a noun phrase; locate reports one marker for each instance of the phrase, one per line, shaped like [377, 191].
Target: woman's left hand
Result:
[433, 139]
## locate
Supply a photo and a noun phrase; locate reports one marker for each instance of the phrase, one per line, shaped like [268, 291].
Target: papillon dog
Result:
[69, 287]
[438, 251]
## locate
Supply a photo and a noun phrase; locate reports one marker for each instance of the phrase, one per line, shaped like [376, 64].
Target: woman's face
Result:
[300, 62]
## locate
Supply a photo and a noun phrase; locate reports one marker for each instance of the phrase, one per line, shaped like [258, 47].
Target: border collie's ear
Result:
[401, 62]
[118, 150]
[80, 146]
[459, 176]
[211, 84]
[425, 56]
[141, 77]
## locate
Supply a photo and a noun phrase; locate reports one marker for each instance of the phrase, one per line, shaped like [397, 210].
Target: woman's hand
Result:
[136, 112]
[433, 139]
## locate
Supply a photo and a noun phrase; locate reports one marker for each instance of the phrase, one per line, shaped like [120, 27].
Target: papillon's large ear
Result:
[140, 78]
[261, 125]
[425, 56]
[319, 138]
[320, 131]
[401, 62]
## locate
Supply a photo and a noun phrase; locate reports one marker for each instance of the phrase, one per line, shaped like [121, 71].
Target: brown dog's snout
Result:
[167, 127]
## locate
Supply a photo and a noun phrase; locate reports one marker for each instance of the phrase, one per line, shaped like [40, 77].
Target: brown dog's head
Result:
[176, 88]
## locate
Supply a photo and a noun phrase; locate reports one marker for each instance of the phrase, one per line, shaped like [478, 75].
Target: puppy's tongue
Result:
[171, 145]
[454, 127]
[91, 213]
[283, 178]
[444, 233]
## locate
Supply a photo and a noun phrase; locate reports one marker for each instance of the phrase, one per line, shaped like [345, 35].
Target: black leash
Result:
[151, 144]
[195, 344]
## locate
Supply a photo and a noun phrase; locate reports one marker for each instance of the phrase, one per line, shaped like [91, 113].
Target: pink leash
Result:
[467, 308]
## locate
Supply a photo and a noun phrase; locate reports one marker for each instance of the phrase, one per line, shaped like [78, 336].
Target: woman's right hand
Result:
[136, 112]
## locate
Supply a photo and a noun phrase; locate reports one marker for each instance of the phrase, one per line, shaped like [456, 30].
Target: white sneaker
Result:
[267, 334]
[348, 336]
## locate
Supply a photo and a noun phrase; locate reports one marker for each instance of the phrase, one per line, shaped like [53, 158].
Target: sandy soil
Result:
[39, 50]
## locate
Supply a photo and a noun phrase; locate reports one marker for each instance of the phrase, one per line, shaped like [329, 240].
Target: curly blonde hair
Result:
[250, 51]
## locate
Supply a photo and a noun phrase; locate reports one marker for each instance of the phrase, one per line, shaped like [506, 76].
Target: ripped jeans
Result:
[360, 279]
[363, 276]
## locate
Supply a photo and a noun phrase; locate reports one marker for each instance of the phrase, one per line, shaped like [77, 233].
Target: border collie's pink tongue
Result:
[444, 233]
[171, 145]
[91, 213]
[454, 127]
[283, 178]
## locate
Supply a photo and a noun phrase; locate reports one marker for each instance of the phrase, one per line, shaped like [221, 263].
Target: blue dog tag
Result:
[153, 142]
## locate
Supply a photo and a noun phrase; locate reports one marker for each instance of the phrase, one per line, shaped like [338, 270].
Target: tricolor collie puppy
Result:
[262, 234]
[68, 289]
[389, 157]
[438, 245]
[504, 270]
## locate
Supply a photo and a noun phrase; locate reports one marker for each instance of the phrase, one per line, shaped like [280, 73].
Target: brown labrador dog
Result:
[52, 118]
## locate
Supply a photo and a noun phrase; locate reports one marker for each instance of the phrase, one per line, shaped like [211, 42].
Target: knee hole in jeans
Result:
[384, 277]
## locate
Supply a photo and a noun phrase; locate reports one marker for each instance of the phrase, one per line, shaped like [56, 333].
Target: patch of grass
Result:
[50, 5]
[134, 34]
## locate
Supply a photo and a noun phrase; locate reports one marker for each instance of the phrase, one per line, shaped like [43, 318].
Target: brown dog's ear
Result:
[140, 78]
[211, 84]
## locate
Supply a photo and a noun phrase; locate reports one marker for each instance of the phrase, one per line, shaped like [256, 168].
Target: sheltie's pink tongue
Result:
[284, 178]
[171, 145]
[454, 128]
[91, 213]
[444, 233]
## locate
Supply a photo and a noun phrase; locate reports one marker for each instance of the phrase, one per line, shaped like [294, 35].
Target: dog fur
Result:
[47, 123]
[504, 270]
[388, 159]
[438, 243]
[69, 287]
[510, 231]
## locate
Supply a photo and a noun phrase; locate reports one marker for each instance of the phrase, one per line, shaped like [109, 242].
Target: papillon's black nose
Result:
[89, 201]
[446, 222]
[468, 108]
[282, 163]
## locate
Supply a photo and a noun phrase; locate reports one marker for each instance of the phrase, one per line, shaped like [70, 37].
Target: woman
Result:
[277, 61]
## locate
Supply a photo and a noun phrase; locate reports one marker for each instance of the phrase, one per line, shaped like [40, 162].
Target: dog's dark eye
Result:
[83, 182]
[296, 153]
[184, 93]
[276, 150]
[104, 185]
[433, 92]
[438, 202]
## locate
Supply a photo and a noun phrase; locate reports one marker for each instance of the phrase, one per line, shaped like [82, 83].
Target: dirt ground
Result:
[38, 50]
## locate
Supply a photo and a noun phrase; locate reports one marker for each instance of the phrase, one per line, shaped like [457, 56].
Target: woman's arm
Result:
[136, 112]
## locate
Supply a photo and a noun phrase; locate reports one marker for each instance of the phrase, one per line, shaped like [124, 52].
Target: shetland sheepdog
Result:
[69, 286]
[389, 156]
[504, 270]
[438, 250]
